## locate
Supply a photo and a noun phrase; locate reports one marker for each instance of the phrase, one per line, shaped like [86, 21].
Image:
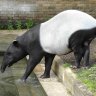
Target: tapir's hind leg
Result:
[86, 56]
[78, 58]
[34, 59]
[82, 52]
[48, 62]
[78, 53]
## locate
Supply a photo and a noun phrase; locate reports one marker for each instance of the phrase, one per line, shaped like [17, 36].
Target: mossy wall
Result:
[41, 10]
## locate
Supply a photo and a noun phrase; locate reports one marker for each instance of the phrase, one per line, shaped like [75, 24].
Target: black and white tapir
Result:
[69, 31]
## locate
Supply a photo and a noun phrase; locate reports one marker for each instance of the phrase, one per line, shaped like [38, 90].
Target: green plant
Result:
[10, 25]
[18, 24]
[1, 26]
[29, 23]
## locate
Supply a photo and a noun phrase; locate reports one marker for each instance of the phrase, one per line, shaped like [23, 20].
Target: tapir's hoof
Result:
[86, 67]
[23, 80]
[75, 67]
[20, 81]
[44, 76]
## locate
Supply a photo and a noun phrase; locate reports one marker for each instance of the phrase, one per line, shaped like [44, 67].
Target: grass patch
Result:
[66, 65]
[87, 76]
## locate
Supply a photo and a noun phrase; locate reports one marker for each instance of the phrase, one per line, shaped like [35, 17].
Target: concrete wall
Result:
[42, 9]
[67, 76]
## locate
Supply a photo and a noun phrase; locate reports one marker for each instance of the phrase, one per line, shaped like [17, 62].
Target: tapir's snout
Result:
[3, 67]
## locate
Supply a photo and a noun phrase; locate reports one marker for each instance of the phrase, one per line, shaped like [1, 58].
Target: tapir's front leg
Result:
[34, 59]
[48, 63]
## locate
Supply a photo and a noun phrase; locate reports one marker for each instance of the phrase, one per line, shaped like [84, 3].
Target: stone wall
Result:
[42, 9]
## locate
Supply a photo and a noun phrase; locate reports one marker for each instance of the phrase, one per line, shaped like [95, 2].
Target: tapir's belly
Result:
[55, 43]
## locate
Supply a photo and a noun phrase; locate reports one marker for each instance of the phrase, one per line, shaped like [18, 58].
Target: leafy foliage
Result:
[10, 25]
[29, 23]
[16, 24]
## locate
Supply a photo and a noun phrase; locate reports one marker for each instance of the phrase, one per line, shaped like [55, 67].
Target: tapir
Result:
[68, 31]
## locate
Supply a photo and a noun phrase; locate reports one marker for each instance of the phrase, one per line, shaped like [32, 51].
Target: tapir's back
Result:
[55, 33]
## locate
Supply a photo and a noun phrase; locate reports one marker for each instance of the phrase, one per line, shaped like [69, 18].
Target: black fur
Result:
[28, 44]
[30, 40]
[48, 62]
[79, 43]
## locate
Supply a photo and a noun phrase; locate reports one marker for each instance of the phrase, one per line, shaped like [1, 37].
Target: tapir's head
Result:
[14, 53]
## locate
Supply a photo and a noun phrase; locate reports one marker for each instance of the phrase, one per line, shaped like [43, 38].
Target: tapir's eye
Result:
[8, 53]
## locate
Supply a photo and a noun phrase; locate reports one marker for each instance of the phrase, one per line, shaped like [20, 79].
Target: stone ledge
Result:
[51, 86]
[68, 78]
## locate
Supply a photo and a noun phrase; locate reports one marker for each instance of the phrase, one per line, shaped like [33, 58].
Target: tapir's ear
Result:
[15, 43]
